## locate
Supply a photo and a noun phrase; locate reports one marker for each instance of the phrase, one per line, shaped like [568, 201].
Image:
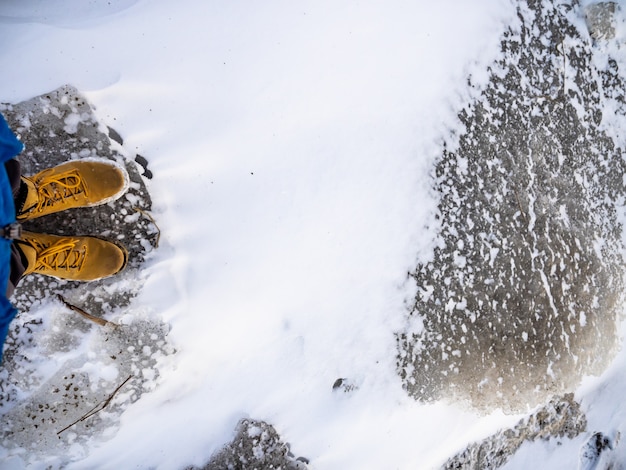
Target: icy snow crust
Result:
[525, 289]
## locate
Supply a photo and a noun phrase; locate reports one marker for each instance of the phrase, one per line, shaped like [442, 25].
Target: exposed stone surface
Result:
[256, 446]
[522, 295]
[560, 418]
[601, 19]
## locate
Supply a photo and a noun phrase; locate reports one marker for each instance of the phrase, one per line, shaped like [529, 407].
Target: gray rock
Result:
[600, 18]
[561, 418]
[256, 445]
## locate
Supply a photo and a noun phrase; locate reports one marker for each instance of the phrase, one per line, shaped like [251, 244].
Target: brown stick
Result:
[96, 409]
[88, 316]
[520, 206]
[564, 57]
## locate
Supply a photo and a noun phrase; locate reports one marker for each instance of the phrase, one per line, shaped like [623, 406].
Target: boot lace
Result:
[57, 188]
[64, 254]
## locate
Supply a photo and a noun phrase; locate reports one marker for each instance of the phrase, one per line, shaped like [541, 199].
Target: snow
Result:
[291, 145]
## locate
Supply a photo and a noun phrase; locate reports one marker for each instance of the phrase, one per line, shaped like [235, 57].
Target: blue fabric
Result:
[10, 147]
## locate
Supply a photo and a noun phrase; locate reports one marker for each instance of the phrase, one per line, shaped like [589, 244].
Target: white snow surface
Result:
[291, 144]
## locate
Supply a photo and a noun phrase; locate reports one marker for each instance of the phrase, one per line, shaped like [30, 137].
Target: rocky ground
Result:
[561, 419]
[256, 445]
[524, 291]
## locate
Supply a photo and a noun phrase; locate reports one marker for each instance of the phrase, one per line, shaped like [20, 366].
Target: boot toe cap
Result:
[105, 181]
[107, 259]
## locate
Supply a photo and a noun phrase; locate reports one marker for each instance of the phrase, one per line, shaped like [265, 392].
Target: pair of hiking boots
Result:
[80, 183]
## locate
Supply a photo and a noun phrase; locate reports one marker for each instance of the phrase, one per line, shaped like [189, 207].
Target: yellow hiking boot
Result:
[72, 258]
[77, 183]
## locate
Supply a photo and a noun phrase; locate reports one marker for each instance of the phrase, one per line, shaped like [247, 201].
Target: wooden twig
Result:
[520, 206]
[158, 236]
[88, 316]
[96, 409]
[564, 60]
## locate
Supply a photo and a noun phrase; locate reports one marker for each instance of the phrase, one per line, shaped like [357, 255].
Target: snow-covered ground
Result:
[292, 145]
